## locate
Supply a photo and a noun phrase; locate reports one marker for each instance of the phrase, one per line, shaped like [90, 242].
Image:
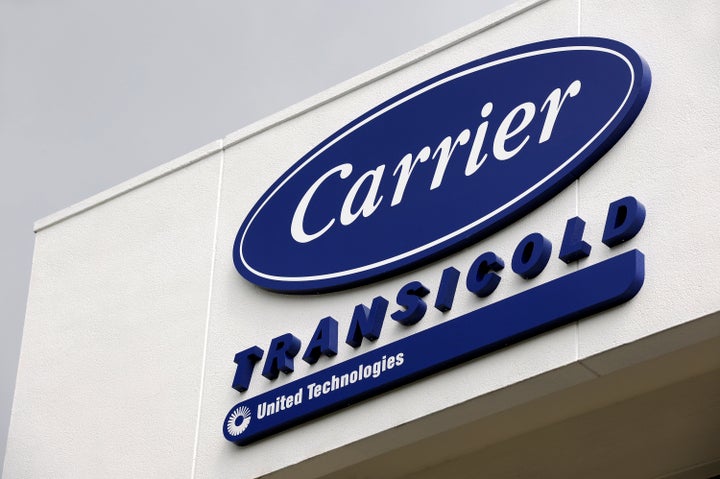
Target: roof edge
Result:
[315, 101]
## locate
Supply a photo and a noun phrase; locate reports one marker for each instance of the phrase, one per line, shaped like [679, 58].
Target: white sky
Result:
[95, 92]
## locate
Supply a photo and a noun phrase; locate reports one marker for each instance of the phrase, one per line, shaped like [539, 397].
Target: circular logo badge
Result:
[238, 420]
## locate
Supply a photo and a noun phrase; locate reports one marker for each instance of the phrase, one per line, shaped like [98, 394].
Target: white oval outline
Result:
[449, 236]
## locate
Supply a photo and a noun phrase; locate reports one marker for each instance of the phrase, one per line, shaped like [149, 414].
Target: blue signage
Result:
[442, 165]
[432, 170]
[559, 301]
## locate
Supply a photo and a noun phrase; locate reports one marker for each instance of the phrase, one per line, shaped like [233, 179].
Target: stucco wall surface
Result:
[136, 310]
[112, 352]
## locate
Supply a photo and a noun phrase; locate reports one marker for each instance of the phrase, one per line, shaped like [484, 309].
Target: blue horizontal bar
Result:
[547, 306]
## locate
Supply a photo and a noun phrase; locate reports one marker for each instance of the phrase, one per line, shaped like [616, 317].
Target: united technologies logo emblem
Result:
[238, 420]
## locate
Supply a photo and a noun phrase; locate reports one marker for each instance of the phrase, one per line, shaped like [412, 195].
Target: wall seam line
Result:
[582, 363]
[577, 199]
[579, 19]
[213, 257]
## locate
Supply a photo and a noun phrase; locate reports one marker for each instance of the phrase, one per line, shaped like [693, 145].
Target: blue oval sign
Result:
[442, 165]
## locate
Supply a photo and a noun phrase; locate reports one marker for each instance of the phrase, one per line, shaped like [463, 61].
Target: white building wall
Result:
[666, 161]
[136, 311]
[109, 374]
